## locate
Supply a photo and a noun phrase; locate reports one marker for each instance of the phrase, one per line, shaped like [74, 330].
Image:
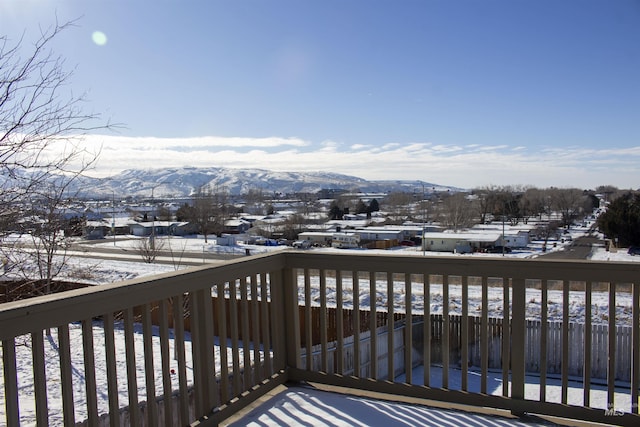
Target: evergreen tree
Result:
[335, 212]
[621, 221]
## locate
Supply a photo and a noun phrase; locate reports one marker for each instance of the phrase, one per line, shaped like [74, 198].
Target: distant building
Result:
[236, 226]
[161, 228]
[460, 242]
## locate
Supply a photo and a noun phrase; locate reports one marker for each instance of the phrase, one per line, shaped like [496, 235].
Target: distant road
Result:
[85, 250]
[579, 249]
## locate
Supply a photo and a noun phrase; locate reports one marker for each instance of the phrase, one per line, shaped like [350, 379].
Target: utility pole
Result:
[424, 223]
[113, 218]
[152, 239]
[502, 235]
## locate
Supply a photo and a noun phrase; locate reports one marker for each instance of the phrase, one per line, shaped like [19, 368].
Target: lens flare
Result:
[99, 38]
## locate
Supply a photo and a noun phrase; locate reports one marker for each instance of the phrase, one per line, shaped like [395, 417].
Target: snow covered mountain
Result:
[182, 182]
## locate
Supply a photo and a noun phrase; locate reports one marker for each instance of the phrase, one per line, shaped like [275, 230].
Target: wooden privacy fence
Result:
[533, 358]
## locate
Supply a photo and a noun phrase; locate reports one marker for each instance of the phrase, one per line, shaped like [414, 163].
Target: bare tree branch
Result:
[42, 125]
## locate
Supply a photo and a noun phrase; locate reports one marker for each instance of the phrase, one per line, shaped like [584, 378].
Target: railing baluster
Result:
[635, 346]
[246, 340]
[179, 351]
[202, 335]
[235, 350]
[265, 324]
[426, 334]
[212, 398]
[355, 286]
[199, 375]
[132, 382]
[39, 379]
[408, 325]
[373, 326]
[339, 324]
[506, 336]
[112, 374]
[66, 376]
[255, 331]
[308, 330]
[164, 359]
[518, 337]
[484, 335]
[149, 369]
[90, 371]
[445, 331]
[10, 382]
[390, 329]
[565, 340]
[464, 334]
[586, 375]
[323, 322]
[222, 342]
[611, 353]
[544, 338]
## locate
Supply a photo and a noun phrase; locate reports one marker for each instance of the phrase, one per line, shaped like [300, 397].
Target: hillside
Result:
[181, 182]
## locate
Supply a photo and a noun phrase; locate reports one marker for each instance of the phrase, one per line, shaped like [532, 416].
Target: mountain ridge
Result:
[184, 181]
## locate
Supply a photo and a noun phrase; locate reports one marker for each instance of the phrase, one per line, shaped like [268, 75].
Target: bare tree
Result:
[456, 211]
[569, 202]
[37, 116]
[255, 200]
[164, 213]
[149, 249]
[202, 211]
[41, 156]
[399, 206]
[221, 209]
[485, 201]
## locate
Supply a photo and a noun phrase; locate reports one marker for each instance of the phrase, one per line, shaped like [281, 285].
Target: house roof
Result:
[469, 237]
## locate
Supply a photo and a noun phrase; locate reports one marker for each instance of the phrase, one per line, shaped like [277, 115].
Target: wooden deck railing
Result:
[121, 353]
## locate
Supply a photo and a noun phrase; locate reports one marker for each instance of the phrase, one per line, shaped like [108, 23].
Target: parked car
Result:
[302, 244]
[634, 250]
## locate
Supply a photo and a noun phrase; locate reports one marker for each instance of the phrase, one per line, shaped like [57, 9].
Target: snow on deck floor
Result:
[307, 406]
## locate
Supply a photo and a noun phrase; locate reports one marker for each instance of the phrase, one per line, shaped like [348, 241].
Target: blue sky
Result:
[466, 93]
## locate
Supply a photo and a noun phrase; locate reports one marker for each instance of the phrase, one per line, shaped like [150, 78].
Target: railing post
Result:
[286, 328]
[518, 338]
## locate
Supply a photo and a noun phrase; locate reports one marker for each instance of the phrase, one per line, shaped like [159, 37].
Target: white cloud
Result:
[465, 166]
